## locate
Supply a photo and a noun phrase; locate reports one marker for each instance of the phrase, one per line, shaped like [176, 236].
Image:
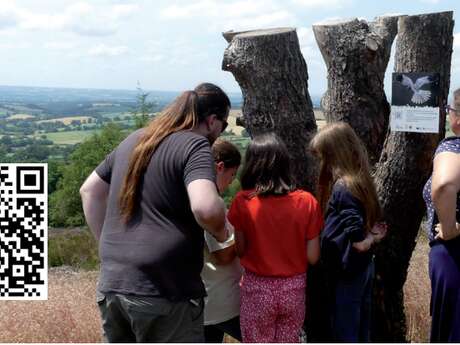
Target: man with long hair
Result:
[147, 204]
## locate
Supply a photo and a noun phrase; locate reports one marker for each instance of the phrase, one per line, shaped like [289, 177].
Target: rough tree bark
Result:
[356, 55]
[424, 44]
[272, 74]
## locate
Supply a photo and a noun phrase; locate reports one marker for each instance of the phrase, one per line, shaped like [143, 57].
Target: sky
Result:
[168, 45]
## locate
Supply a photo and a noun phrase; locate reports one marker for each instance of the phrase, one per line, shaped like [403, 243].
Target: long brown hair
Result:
[185, 113]
[343, 156]
[267, 166]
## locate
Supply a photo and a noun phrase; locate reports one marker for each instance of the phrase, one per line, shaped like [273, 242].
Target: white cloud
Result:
[306, 37]
[82, 18]
[332, 20]
[8, 17]
[123, 10]
[16, 45]
[279, 18]
[326, 4]
[102, 50]
[457, 41]
[433, 2]
[456, 58]
[60, 46]
[309, 48]
[152, 59]
[236, 15]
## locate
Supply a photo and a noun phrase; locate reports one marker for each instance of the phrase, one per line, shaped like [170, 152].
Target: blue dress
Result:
[444, 267]
[351, 274]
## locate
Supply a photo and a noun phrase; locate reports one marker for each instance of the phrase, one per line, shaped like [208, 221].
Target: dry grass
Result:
[417, 292]
[234, 113]
[69, 315]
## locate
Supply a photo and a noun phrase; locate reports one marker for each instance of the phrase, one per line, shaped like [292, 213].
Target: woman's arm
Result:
[240, 242]
[444, 188]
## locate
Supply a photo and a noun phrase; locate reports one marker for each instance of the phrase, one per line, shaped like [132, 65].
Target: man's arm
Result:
[208, 207]
[94, 193]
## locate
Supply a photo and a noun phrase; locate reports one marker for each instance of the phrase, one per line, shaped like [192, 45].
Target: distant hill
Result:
[41, 96]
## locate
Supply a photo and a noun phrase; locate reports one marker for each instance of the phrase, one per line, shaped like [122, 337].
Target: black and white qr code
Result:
[23, 232]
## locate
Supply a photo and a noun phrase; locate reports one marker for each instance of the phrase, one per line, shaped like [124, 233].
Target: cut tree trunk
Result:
[356, 55]
[424, 44]
[272, 74]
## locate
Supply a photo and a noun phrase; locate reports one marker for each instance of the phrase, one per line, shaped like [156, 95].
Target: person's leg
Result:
[347, 310]
[291, 304]
[213, 334]
[365, 323]
[156, 319]
[115, 322]
[231, 327]
[258, 310]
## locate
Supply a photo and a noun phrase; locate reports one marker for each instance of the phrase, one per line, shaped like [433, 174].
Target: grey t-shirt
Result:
[160, 251]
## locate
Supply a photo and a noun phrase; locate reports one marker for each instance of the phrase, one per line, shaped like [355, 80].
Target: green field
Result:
[69, 138]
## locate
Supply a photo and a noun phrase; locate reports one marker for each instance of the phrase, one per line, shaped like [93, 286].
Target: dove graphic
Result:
[419, 96]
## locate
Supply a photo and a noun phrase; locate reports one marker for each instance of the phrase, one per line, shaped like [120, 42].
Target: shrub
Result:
[72, 247]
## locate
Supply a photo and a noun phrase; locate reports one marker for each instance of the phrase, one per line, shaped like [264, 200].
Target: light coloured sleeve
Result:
[214, 245]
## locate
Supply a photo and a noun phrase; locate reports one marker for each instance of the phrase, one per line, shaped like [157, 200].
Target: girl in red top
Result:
[277, 235]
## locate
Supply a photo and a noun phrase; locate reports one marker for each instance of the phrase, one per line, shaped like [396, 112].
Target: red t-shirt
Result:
[276, 230]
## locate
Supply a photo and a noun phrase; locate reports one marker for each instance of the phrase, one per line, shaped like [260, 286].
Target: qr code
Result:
[23, 232]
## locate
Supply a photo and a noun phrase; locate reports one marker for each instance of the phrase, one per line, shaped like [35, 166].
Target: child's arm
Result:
[224, 256]
[240, 243]
[377, 233]
[364, 245]
[222, 253]
[313, 250]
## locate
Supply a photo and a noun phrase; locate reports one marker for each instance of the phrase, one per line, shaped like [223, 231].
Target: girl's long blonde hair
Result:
[343, 156]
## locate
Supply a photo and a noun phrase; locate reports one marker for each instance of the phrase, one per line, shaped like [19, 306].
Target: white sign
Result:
[414, 119]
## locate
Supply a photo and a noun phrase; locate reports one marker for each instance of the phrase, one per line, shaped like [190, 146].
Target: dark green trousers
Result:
[130, 319]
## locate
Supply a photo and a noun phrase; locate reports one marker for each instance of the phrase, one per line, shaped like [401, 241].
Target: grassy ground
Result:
[417, 292]
[71, 313]
[70, 137]
[72, 247]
